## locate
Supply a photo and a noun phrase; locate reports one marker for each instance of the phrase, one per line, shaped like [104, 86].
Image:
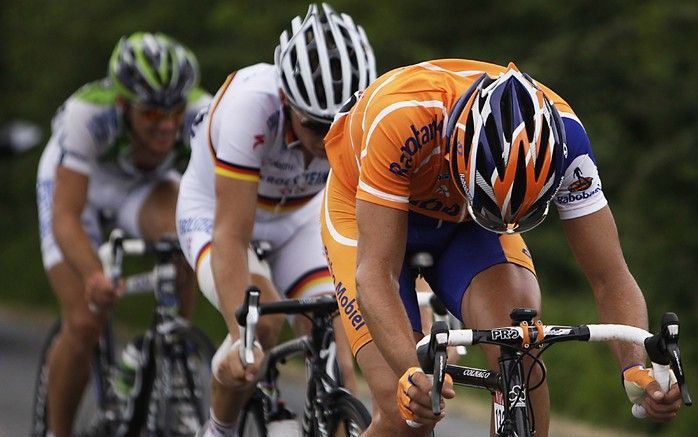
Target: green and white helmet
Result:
[153, 69]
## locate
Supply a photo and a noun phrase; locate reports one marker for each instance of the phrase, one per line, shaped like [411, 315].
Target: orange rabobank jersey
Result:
[388, 148]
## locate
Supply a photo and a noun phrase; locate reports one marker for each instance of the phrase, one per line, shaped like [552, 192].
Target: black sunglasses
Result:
[316, 126]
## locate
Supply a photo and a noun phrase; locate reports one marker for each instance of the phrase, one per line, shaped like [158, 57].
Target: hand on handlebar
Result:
[101, 292]
[414, 397]
[644, 390]
[228, 368]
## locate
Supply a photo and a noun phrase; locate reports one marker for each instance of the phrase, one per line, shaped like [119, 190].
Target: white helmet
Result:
[324, 62]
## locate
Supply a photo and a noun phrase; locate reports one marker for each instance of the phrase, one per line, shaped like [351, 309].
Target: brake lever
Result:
[663, 348]
[438, 344]
[247, 316]
[677, 367]
[670, 337]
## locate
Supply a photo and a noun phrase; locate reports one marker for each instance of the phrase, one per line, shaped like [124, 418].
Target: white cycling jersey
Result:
[89, 137]
[244, 136]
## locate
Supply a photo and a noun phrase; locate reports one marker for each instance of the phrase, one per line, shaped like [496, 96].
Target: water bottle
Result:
[283, 424]
[284, 428]
[126, 379]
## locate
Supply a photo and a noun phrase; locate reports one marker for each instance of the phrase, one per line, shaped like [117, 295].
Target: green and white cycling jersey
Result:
[89, 136]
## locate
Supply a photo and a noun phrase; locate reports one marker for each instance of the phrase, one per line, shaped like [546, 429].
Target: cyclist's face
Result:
[311, 133]
[156, 128]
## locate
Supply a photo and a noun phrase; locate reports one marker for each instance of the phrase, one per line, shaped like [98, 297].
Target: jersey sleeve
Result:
[242, 130]
[197, 101]
[392, 150]
[79, 128]
[581, 191]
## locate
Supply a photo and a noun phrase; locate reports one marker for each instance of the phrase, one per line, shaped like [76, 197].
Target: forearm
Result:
[386, 319]
[621, 301]
[231, 276]
[75, 244]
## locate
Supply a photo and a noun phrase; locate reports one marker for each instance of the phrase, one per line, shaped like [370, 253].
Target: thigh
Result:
[471, 251]
[156, 204]
[495, 292]
[299, 265]
[143, 208]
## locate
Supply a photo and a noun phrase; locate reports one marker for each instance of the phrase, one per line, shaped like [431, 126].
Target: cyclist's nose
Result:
[168, 123]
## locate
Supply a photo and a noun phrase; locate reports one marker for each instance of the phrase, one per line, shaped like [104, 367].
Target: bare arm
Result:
[594, 242]
[69, 200]
[381, 250]
[236, 202]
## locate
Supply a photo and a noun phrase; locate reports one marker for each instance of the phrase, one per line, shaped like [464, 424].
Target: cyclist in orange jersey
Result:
[457, 158]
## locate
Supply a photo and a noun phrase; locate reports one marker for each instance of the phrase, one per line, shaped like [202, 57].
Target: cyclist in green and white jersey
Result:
[113, 149]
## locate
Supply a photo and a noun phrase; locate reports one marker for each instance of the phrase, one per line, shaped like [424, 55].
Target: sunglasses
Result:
[308, 122]
[156, 114]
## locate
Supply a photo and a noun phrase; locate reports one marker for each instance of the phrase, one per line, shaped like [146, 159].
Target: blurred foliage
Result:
[628, 67]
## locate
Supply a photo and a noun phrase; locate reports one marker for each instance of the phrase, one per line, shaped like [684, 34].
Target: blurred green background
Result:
[629, 68]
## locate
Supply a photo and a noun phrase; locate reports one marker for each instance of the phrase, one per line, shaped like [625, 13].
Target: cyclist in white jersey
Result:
[113, 150]
[256, 173]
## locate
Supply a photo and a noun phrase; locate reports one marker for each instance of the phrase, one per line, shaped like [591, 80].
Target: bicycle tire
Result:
[199, 351]
[252, 423]
[345, 415]
[88, 418]
[189, 379]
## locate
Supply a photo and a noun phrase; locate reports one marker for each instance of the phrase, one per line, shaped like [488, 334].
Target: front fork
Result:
[511, 407]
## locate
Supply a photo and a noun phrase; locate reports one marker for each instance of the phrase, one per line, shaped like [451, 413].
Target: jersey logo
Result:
[258, 139]
[442, 190]
[582, 182]
[414, 144]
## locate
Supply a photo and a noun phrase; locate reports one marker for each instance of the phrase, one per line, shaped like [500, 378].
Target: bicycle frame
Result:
[318, 348]
[160, 346]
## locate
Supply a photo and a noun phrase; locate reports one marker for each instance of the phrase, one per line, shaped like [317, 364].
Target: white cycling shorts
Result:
[109, 191]
[295, 263]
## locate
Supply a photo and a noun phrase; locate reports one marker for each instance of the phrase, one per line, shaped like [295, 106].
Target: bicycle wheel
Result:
[252, 423]
[89, 418]
[345, 415]
[179, 395]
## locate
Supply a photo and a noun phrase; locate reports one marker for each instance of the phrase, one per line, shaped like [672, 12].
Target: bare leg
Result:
[383, 384]
[491, 296]
[157, 219]
[70, 358]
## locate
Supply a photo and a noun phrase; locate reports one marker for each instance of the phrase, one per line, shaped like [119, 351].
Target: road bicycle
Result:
[329, 410]
[171, 390]
[511, 385]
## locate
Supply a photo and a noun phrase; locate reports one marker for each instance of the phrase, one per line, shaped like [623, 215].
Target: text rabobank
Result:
[574, 197]
[350, 307]
[414, 143]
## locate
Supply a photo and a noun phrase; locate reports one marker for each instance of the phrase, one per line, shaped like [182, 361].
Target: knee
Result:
[82, 333]
[386, 417]
[157, 216]
[390, 423]
[268, 329]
